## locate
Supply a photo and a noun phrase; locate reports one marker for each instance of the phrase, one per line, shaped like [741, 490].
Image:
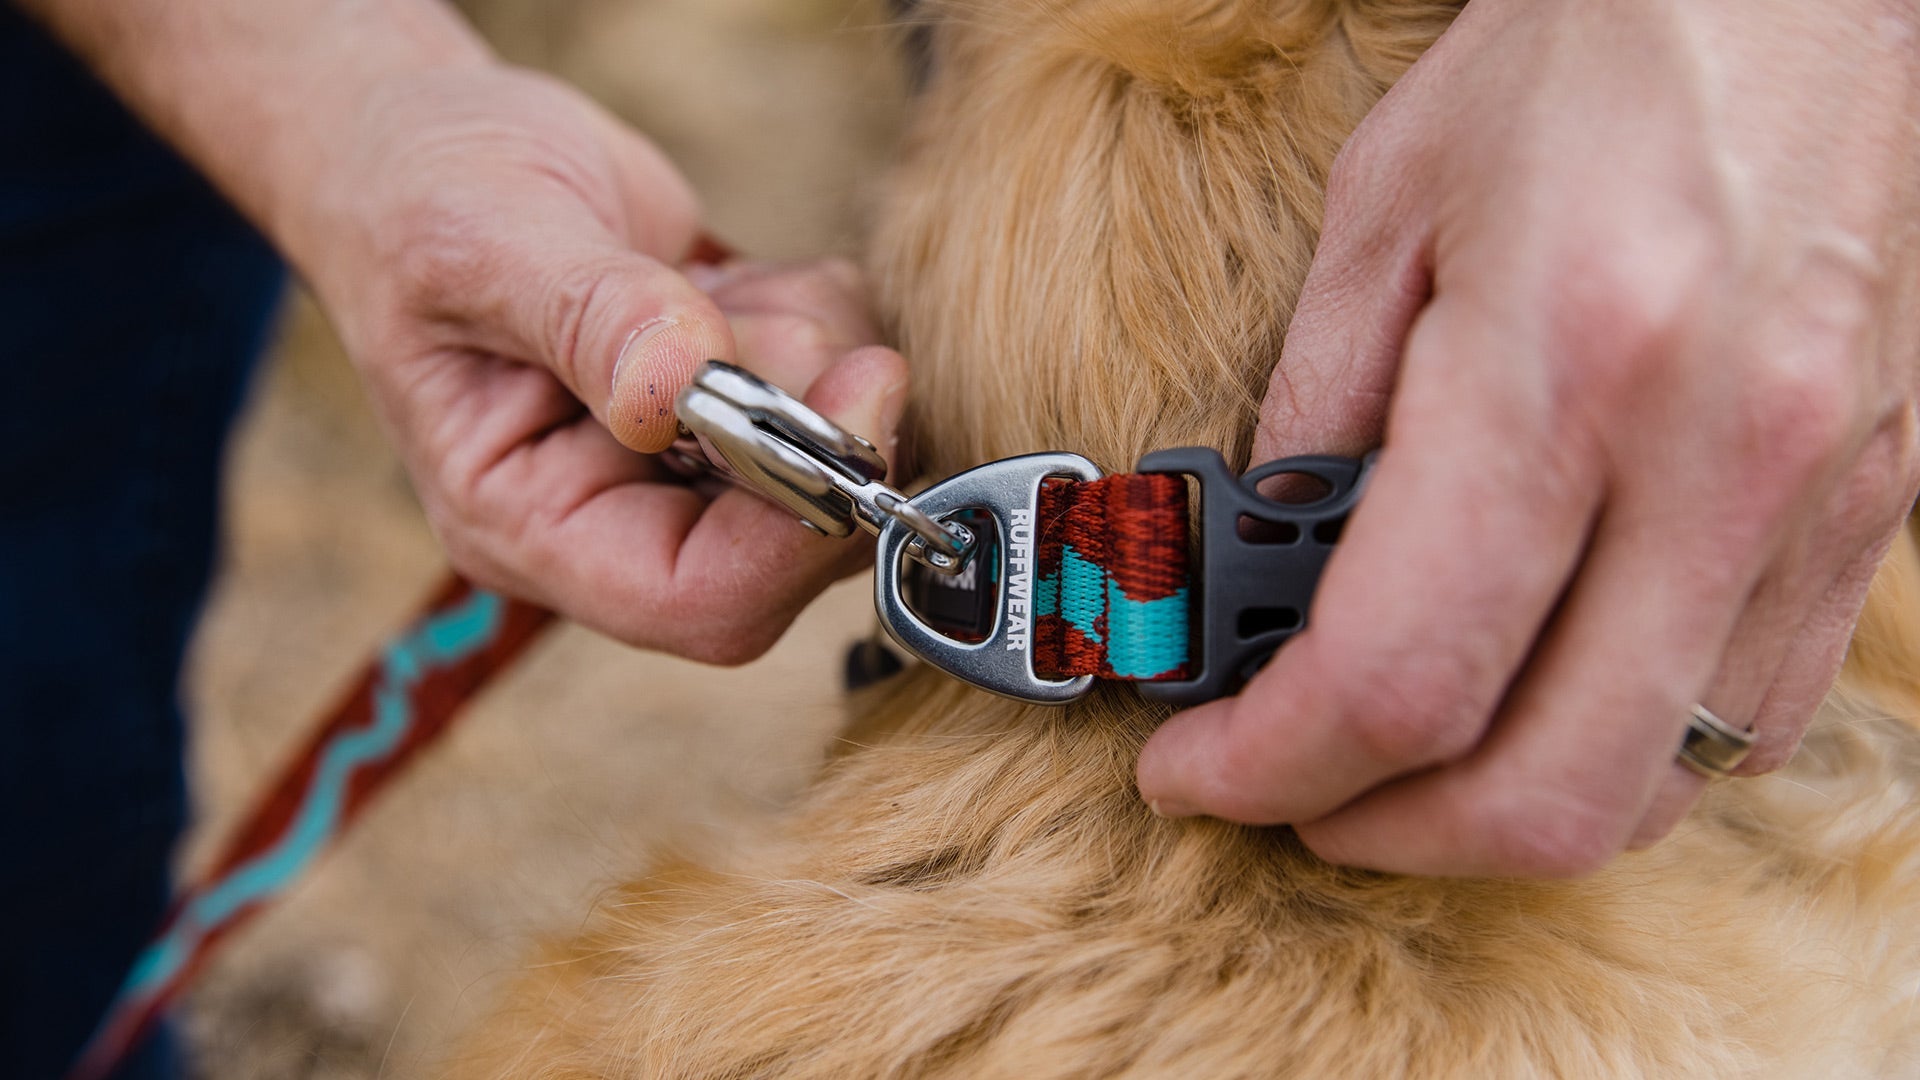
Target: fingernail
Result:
[705, 276]
[893, 403]
[1170, 808]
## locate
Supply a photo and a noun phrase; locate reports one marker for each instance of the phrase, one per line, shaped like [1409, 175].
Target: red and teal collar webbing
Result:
[1111, 591]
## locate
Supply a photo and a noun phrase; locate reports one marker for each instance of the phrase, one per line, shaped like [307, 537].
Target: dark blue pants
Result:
[132, 305]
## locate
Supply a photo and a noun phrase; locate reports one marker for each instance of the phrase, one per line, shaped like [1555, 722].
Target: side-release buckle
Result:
[1254, 569]
[1257, 561]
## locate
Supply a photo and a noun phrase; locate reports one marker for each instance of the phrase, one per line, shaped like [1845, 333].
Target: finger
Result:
[1780, 660]
[1469, 531]
[1369, 280]
[1794, 635]
[789, 351]
[1887, 633]
[552, 280]
[1759, 644]
[625, 333]
[1589, 731]
[831, 292]
[1863, 525]
[655, 564]
[789, 322]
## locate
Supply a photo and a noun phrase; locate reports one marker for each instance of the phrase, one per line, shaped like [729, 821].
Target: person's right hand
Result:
[1630, 293]
[497, 254]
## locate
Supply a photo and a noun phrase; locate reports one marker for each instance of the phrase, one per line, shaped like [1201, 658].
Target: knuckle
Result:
[1356, 174]
[1619, 319]
[1879, 489]
[1799, 417]
[789, 335]
[809, 294]
[1546, 834]
[1419, 711]
[572, 302]
[467, 558]
[845, 275]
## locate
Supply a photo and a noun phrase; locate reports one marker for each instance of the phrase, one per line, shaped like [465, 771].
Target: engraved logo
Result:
[1019, 578]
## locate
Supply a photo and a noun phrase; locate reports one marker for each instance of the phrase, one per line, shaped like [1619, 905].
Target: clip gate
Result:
[752, 433]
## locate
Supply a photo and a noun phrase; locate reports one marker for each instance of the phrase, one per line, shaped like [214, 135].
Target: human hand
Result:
[1632, 290]
[498, 254]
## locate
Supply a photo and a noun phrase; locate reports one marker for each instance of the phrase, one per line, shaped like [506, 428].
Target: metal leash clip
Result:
[752, 433]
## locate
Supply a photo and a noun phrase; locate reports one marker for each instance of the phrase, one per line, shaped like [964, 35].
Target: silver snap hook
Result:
[755, 434]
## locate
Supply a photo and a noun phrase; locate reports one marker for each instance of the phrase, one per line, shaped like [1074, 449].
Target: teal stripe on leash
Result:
[446, 639]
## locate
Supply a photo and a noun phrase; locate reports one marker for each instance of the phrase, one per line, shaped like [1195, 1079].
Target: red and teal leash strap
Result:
[405, 700]
[402, 702]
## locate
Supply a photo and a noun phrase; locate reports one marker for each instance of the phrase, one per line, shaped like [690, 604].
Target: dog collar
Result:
[1033, 576]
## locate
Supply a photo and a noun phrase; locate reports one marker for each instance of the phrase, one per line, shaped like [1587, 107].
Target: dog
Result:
[1103, 213]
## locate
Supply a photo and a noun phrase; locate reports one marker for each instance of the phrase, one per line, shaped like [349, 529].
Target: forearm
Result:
[259, 94]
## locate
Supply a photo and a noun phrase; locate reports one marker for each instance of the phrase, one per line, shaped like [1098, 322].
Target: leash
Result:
[405, 699]
[400, 704]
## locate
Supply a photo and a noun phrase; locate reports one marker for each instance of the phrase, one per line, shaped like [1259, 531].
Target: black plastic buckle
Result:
[1252, 589]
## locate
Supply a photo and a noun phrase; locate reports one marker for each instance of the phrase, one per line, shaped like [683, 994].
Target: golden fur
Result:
[1094, 242]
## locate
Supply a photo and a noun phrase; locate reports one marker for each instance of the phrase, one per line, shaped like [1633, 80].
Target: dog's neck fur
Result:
[1146, 177]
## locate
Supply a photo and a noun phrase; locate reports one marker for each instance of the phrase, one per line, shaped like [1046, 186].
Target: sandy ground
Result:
[590, 758]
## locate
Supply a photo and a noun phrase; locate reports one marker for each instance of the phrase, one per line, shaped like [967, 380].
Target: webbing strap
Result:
[1111, 592]
[406, 698]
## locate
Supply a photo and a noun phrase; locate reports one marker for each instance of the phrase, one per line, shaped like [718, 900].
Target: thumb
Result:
[1369, 279]
[624, 332]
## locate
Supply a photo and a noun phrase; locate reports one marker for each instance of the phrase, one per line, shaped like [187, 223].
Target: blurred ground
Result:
[590, 757]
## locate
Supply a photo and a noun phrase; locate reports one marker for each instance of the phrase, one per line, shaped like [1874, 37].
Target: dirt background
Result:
[590, 758]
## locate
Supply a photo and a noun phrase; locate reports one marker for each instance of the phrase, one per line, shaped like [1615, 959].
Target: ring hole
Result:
[1254, 622]
[962, 606]
[1293, 488]
[1255, 531]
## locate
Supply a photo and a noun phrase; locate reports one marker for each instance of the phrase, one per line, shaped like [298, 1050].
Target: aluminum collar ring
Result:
[1009, 491]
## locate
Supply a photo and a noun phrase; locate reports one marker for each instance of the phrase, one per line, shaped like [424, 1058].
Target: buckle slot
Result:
[1251, 595]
